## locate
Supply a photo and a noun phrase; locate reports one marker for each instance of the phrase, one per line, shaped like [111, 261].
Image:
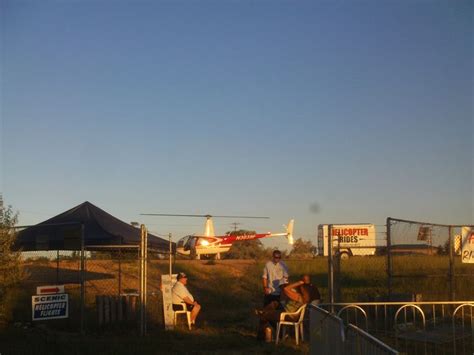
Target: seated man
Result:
[294, 298]
[181, 294]
[309, 291]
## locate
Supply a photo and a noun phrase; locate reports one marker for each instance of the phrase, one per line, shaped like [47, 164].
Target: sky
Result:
[321, 111]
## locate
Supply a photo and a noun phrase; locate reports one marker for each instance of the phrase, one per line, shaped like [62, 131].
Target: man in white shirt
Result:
[181, 294]
[274, 274]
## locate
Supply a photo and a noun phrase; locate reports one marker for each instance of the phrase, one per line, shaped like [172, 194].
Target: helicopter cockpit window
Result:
[186, 242]
[191, 244]
[182, 242]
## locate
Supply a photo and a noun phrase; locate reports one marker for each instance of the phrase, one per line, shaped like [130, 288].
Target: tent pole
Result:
[171, 249]
[82, 280]
[145, 293]
[57, 267]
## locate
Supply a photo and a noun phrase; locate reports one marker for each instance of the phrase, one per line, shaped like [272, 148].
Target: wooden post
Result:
[120, 308]
[119, 272]
[128, 307]
[100, 309]
[133, 307]
[113, 308]
[106, 309]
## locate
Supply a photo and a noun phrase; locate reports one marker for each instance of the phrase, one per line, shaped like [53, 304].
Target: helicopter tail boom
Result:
[289, 232]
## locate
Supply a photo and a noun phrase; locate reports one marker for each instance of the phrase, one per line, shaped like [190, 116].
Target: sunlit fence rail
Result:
[415, 327]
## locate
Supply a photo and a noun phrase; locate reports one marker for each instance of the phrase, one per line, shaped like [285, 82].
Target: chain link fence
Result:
[47, 268]
[107, 286]
[406, 261]
[424, 259]
[356, 261]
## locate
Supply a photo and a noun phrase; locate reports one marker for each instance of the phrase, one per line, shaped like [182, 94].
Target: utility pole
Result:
[235, 224]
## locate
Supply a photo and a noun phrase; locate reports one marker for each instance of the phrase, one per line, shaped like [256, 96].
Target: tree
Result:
[302, 249]
[10, 262]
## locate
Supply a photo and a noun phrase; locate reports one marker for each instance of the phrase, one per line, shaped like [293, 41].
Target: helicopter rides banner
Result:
[467, 237]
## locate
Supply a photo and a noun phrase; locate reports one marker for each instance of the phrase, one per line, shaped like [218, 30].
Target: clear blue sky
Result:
[364, 108]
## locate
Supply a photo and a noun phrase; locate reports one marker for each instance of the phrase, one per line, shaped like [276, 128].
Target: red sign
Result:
[350, 231]
[48, 290]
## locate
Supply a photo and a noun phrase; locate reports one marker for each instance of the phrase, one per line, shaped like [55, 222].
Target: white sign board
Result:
[467, 243]
[166, 286]
[54, 306]
[48, 290]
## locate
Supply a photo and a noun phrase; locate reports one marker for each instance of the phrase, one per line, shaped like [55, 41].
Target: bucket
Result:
[268, 334]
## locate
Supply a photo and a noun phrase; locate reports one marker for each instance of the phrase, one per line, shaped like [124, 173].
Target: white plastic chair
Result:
[184, 310]
[298, 323]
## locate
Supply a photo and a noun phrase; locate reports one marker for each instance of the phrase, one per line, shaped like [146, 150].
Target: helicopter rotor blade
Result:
[199, 215]
[240, 217]
[174, 215]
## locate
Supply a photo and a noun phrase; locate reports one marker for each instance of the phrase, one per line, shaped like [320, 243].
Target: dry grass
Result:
[229, 290]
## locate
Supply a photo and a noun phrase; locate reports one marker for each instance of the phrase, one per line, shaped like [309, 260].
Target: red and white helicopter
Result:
[208, 243]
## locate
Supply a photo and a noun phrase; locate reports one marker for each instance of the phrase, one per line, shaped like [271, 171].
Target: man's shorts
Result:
[179, 307]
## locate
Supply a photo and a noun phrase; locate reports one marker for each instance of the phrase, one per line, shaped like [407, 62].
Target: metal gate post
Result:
[337, 272]
[452, 281]
[143, 274]
[330, 268]
[389, 259]
[171, 251]
[143, 247]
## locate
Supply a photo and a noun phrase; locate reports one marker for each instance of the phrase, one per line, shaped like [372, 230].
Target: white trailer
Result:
[349, 239]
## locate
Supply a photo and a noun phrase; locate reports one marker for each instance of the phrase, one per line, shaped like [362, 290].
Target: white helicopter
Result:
[209, 244]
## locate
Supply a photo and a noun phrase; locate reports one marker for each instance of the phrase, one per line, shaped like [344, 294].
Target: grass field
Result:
[229, 291]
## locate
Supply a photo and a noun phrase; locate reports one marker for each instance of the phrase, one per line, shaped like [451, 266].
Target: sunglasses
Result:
[277, 257]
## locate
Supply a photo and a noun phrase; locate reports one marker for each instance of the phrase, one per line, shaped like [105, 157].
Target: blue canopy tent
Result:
[87, 228]
[101, 229]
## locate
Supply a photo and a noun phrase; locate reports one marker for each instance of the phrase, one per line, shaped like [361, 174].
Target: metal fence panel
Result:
[329, 335]
[357, 271]
[424, 259]
[326, 332]
[359, 342]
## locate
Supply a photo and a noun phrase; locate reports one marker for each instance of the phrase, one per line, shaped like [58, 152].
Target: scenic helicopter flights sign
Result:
[467, 238]
[50, 302]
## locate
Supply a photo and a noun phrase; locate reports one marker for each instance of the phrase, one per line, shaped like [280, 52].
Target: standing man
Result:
[181, 294]
[274, 274]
